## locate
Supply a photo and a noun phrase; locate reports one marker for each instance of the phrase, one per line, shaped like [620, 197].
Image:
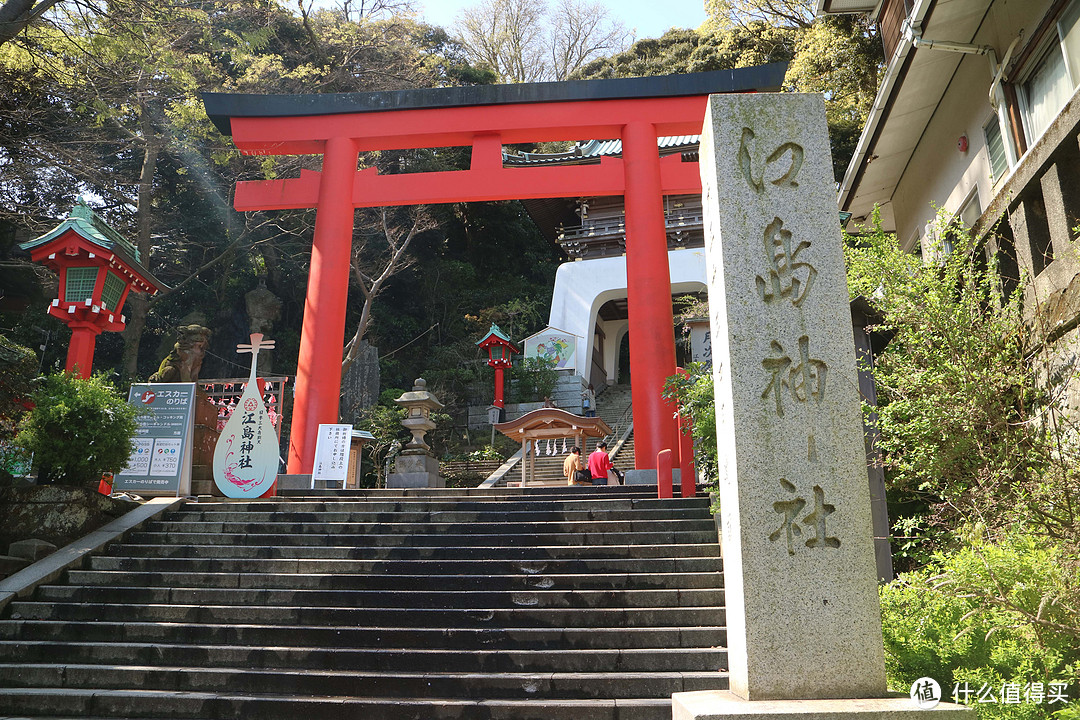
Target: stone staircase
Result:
[553, 603]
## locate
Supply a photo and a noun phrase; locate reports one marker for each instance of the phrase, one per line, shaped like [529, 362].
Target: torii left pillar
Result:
[318, 376]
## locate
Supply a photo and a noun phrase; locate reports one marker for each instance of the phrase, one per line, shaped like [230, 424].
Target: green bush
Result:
[533, 379]
[692, 394]
[78, 429]
[988, 613]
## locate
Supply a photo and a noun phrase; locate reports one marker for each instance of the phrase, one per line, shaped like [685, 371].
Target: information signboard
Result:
[553, 344]
[160, 462]
[332, 455]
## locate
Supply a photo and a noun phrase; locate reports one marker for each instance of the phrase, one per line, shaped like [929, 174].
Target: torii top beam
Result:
[484, 117]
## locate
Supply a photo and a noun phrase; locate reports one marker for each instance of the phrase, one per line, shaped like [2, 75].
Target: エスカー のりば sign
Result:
[160, 462]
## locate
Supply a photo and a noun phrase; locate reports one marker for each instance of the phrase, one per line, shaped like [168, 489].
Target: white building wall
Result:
[583, 286]
[939, 175]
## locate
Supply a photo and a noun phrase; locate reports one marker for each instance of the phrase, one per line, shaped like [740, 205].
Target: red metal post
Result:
[498, 402]
[80, 357]
[652, 334]
[663, 474]
[318, 371]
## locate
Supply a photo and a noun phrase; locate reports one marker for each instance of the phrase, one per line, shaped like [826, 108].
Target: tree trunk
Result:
[138, 304]
[15, 15]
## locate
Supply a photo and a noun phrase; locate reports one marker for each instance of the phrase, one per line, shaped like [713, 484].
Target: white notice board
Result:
[332, 454]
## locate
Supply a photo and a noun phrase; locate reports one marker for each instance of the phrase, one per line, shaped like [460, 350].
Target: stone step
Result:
[433, 567]
[516, 581]
[342, 683]
[231, 706]
[442, 516]
[434, 527]
[385, 599]
[526, 615]
[475, 552]
[646, 500]
[382, 540]
[351, 636]
[368, 659]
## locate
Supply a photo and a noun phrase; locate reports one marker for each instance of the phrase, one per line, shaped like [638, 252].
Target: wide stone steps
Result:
[525, 616]
[345, 552]
[434, 566]
[546, 581]
[345, 683]
[427, 529]
[14, 635]
[471, 599]
[369, 659]
[580, 603]
[226, 705]
[361, 539]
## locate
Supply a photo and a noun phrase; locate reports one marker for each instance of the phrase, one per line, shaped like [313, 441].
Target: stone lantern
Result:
[416, 466]
[98, 267]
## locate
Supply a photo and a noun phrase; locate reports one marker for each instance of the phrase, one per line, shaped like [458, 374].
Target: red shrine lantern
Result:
[500, 350]
[98, 267]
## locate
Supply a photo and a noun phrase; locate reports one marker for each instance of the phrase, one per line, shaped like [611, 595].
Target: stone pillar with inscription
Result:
[801, 598]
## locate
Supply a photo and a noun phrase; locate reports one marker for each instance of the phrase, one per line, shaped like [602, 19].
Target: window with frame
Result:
[1054, 77]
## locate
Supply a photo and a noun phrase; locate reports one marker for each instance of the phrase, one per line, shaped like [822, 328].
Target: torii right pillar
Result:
[800, 579]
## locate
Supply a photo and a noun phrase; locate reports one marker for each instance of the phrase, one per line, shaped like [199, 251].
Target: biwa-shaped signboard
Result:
[246, 455]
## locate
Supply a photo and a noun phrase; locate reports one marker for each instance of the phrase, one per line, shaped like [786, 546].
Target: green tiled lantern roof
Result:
[497, 333]
[91, 226]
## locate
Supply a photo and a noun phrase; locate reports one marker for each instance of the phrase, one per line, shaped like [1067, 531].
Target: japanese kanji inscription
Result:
[794, 493]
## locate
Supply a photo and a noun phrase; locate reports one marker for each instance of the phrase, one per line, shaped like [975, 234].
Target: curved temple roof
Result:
[222, 107]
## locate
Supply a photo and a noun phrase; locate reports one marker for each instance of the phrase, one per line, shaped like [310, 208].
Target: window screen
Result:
[110, 295]
[995, 149]
[80, 284]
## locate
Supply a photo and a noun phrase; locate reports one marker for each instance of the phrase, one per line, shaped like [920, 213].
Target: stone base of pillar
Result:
[415, 471]
[723, 704]
[648, 477]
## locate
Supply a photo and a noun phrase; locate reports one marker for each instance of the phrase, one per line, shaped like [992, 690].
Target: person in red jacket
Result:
[599, 464]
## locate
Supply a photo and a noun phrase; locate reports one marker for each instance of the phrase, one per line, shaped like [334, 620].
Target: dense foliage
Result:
[78, 429]
[980, 466]
[967, 432]
[991, 617]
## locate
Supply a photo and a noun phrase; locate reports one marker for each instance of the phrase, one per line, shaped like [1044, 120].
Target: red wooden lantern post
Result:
[499, 350]
[98, 268]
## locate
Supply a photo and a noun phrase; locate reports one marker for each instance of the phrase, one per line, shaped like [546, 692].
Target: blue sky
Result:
[651, 17]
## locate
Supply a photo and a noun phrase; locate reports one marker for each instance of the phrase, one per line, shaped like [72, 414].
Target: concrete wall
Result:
[567, 396]
[581, 287]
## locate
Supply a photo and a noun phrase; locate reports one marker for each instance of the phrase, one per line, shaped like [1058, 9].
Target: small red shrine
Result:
[98, 267]
[500, 349]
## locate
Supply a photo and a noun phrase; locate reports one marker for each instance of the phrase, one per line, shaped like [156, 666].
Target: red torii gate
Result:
[340, 126]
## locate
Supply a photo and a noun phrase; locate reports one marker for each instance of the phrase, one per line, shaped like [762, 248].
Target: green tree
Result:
[961, 404]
